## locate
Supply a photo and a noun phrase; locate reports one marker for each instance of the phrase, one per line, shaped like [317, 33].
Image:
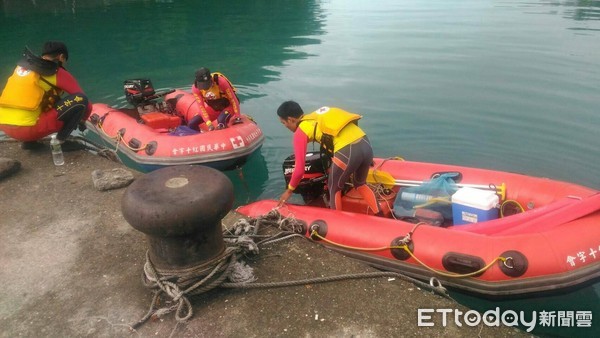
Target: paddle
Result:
[387, 180]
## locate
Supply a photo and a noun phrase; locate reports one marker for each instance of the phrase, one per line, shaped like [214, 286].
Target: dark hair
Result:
[289, 109]
[55, 48]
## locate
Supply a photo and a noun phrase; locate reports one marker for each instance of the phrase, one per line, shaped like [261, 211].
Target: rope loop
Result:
[508, 262]
[405, 240]
[436, 284]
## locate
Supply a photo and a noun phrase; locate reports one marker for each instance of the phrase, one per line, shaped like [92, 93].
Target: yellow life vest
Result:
[23, 100]
[328, 123]
[332, 120]
[23, 90]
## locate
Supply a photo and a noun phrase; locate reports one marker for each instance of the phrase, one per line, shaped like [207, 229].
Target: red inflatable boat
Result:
[154, 135]
[536, 236]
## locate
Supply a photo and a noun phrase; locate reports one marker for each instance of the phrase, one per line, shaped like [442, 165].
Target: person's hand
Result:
[284, 197]
[211, 127]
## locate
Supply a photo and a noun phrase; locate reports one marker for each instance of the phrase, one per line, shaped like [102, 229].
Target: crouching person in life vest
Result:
[338, 134]
[41, 97]
[216, 100]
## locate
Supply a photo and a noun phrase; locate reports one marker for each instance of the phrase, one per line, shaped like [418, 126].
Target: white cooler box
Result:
[470, 205]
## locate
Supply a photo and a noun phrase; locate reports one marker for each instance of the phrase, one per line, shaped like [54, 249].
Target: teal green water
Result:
[507, 85]
[557, 307]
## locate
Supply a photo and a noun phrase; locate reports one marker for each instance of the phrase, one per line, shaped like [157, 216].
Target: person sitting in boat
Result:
[32, 105]
[216, 100]
[339, 135]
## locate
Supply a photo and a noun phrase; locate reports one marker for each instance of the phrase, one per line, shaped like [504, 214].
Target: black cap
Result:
[55, 48]
[203, 80]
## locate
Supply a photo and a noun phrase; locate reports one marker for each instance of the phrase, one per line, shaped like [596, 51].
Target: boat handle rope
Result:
[407, 249]
[98, 126]
[118, 138]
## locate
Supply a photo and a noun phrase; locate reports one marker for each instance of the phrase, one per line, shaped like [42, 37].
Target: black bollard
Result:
[180, 210]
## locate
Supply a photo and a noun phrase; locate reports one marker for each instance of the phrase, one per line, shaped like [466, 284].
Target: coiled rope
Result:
[227, 271]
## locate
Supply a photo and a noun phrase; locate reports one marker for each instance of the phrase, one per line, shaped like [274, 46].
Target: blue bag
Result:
[183, 131]
[434, 195]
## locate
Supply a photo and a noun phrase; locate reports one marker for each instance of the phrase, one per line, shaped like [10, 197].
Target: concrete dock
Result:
[71, 266]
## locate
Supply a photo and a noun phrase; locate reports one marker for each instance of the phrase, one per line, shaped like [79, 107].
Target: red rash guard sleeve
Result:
[300, 143]
[66, 82]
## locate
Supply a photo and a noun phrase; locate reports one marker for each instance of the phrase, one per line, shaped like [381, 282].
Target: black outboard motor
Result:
[138, 91]
[314, 182]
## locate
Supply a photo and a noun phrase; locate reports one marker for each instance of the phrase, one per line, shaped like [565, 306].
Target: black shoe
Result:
[31, 145]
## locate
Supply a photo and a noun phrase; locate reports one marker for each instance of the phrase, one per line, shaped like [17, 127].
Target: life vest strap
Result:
[39, 65]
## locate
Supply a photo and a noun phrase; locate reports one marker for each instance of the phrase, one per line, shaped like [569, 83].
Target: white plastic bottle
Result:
[57, 154]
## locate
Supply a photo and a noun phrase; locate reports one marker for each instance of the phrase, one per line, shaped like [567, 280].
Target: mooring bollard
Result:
[180, 210]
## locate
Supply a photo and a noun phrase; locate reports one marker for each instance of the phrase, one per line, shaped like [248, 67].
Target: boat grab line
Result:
[404, 246]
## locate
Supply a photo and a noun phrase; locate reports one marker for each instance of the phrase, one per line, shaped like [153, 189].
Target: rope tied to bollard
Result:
[179, 284]
[228, 271]
[292, 227]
